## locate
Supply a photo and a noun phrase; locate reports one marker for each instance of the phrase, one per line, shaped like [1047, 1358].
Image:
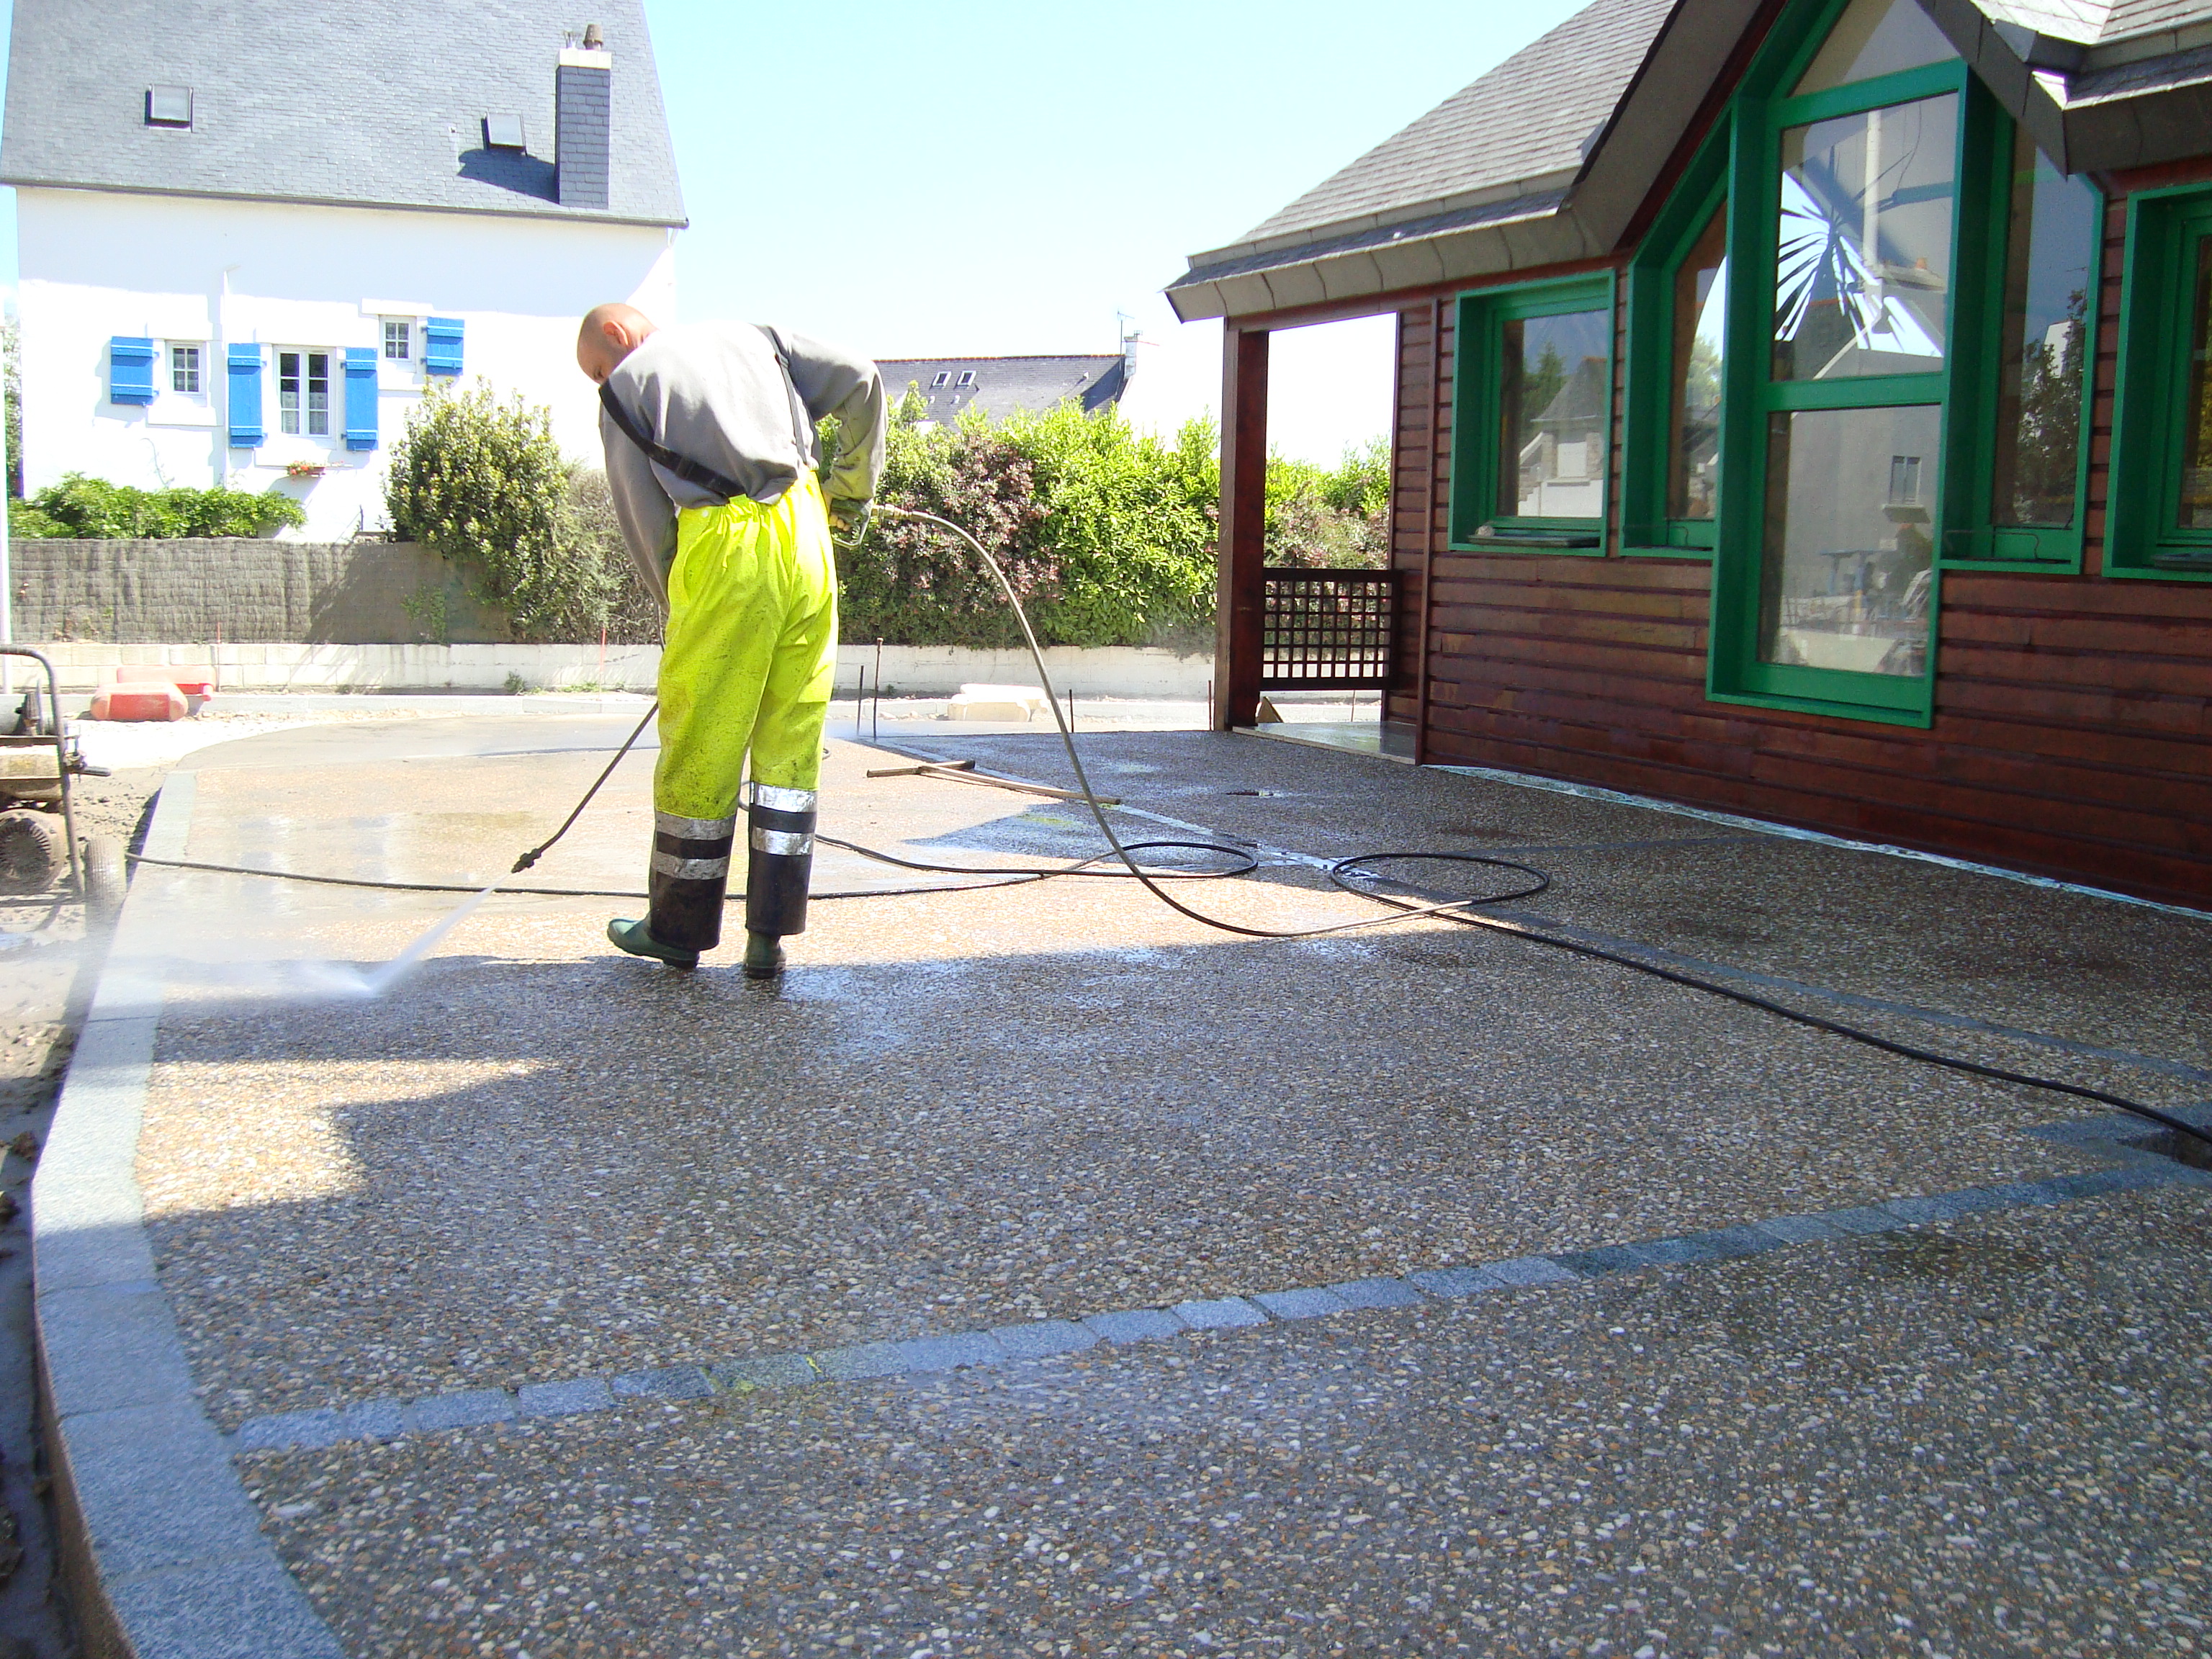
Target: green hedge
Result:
[1108, 536]
[79, 506]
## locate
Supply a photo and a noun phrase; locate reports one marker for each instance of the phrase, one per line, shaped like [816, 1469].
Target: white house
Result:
[251, 235]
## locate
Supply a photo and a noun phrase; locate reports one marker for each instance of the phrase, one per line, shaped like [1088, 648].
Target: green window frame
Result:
[1975, 536]
[1758, 403]
[2167, 281]
[1649, 417]
[1483, 318]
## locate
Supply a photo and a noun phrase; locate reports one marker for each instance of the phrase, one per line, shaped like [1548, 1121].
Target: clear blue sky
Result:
[983, 177]
[999, 176]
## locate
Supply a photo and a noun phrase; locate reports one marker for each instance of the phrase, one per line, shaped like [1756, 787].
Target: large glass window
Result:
[1848, 271]
[2194, 497]
[1862, 260]
[1699, 342]
[1874, 38]
[1554, 405]
[2050, 242]
[1532, 415]
[1848, 566]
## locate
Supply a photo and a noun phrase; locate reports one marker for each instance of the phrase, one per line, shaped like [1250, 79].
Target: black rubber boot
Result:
[781, 861]
[763, 957]
[636, 937]
[690, 874]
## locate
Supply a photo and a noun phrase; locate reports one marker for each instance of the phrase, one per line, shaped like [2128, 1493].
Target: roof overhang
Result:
[2091, 108]
[1565, 217]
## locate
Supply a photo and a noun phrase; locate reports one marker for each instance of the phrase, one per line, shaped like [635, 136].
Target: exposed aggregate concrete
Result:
[538, 1161]
[1986, 1438]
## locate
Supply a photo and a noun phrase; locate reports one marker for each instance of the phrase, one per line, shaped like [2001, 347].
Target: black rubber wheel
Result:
[107, 877]
[32, 852]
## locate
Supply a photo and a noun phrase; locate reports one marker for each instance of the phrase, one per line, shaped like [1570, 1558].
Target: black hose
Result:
[1459, 910]
[1341, 871]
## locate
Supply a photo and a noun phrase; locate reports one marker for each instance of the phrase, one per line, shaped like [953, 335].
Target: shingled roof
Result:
[1547, 158]
[380, 105]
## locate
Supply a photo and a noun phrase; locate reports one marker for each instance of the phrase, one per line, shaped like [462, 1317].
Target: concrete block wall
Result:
[194, 591]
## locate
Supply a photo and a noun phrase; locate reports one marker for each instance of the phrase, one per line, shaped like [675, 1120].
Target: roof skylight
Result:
[503, 132]
[168, 106]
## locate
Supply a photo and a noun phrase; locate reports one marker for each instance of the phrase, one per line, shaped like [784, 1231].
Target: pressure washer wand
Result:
[539, 851]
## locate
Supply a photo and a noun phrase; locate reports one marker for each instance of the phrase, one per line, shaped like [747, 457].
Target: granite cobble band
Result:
[388, 1420]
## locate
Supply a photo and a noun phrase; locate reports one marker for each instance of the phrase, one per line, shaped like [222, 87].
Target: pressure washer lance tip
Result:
[526, 861]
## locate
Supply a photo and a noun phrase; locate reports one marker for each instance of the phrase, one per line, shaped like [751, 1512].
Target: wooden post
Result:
[1244, 530]
[1430, 498]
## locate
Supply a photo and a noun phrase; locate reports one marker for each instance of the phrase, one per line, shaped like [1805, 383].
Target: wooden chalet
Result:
[1804, 410]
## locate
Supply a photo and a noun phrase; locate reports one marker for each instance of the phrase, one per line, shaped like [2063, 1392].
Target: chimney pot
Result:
[594, 41]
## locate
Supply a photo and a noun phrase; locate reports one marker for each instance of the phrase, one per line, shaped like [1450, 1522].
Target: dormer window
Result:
[942, 376]
[503, 132]
[168, 106]
[967, 377]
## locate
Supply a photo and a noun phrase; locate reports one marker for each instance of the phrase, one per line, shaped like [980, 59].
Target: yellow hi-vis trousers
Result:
[749, 653]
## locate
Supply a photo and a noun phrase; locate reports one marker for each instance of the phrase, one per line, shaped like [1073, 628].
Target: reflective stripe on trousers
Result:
[751, 646]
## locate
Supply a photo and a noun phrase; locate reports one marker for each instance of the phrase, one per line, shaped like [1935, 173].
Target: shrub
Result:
[1106, 536]
[1336, 520]
[633, 615]
[96, 509]
[483, 484]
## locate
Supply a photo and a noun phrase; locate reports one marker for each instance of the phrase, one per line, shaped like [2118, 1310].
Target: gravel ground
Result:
[537, 1160]
[1983, 1439]
[541, 1160]
[1890, 927]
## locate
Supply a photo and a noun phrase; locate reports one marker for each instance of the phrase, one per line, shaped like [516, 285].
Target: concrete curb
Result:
[163, 1551]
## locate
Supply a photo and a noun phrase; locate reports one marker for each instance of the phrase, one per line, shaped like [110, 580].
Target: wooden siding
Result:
[2073, 725]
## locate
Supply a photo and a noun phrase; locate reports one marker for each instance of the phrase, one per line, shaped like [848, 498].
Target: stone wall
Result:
[197, 591]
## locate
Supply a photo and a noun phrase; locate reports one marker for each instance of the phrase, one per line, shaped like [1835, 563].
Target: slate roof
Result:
[1520, 128]
[1003, 385]
[375, 105]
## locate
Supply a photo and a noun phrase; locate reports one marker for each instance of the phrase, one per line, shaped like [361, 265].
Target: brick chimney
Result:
[582, 99]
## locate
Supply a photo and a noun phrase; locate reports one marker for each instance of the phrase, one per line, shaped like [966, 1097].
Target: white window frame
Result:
[406, 354]
[942, 376]
[178, 367]
[967, 377]
[303, 414]
[172, 407]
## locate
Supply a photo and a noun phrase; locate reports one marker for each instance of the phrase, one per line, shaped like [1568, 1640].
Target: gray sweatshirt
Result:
[712, 392]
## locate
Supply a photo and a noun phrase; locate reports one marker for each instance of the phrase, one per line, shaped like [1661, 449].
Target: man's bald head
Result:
[609, 334]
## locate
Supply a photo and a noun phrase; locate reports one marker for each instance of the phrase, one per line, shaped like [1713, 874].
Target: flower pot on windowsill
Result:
[304, 469]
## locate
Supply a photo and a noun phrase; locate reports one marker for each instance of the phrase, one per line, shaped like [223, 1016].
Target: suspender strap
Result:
[695, 472]
[682, 467]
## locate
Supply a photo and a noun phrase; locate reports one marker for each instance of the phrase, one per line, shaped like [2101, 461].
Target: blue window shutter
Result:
[130, 370]
[442, 345]
[360, 397]
[245, 431]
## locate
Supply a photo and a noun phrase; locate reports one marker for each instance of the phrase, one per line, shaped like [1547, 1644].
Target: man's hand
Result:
[848, 521]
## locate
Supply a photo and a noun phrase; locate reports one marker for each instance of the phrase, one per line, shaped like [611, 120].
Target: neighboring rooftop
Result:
[999, 386]
[379, 106]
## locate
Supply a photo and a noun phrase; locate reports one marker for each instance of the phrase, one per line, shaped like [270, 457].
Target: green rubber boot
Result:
[763, 956]
[632, 936]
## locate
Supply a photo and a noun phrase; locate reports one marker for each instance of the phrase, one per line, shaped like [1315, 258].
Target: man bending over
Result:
[711, 457]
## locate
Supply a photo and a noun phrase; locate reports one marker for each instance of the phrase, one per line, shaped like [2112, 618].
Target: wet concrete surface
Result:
[538, 1159]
